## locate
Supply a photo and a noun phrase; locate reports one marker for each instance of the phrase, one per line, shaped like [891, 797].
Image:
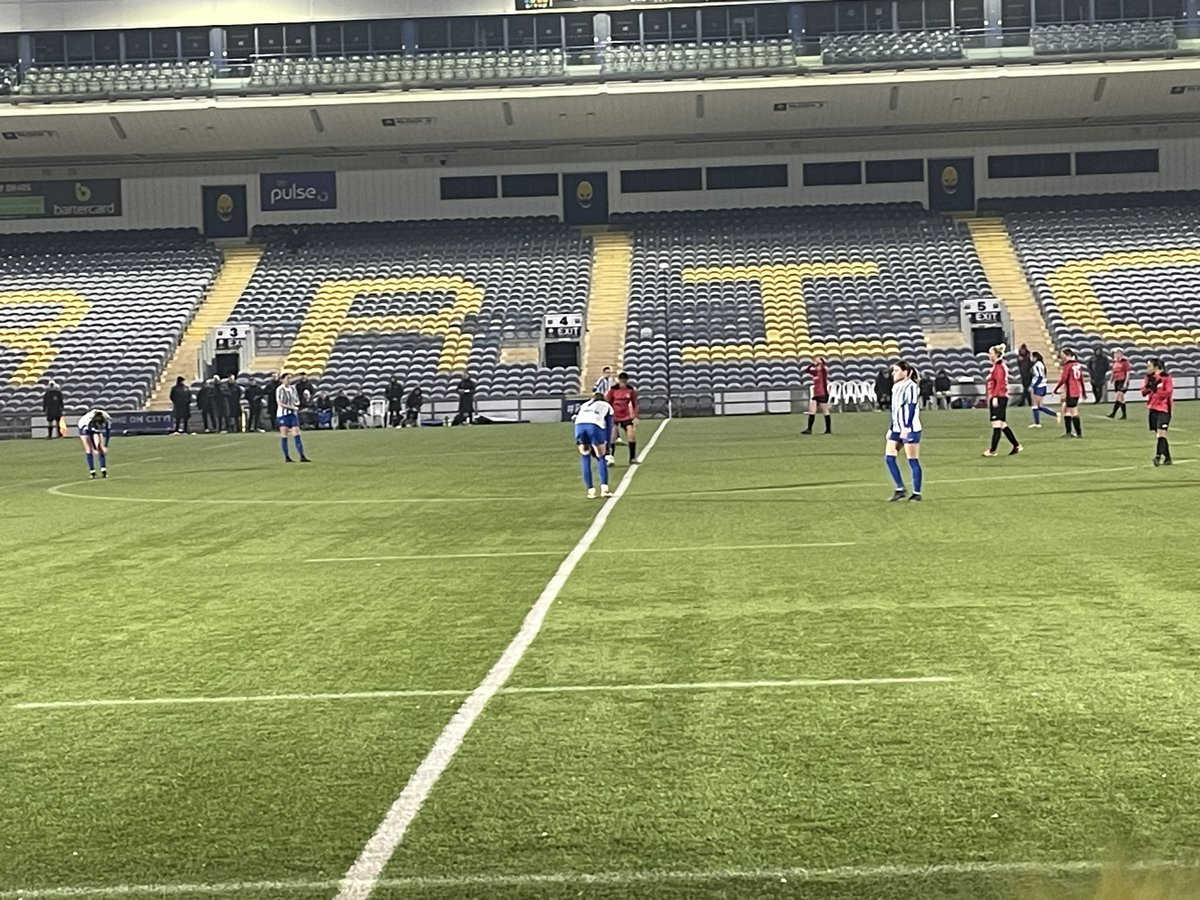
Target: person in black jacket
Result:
[466, 400]
[941, 388]
[272, 401]
[52, 407]
[220, 395]
[412, 407]
[1098, 367]
[1025, 370]
[207, 403]
[360, 405]
[233, 412]
[341, 406]
[254, 401]
[395, 401]
[883, 389]
[181, 406]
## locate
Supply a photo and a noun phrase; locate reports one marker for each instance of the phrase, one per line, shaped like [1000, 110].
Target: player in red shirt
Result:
[623, 398]
[1120, 376]
[997, 394]
[819, 401]
[1071, 385]
[1159, 391]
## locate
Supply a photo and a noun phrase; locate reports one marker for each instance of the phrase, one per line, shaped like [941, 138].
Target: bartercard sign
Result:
[284, 191]
[86, 199]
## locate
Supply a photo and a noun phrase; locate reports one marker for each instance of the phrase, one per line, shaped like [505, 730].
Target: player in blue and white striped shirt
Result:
[905, 429]
[287, 398]
[1038, 389]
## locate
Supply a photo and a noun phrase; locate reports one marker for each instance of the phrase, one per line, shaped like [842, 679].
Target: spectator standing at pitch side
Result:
[412, 407]
[272, 403]
[941, 389]
[181, 406]
[52, 408]
[1098, 367]
[220, 395]
[395, 401]
[1025, 370]
[254, 405]
[234, 422]
[466, 400]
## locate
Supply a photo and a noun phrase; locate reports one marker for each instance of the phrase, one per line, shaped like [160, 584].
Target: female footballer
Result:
[997, 397]
[1073, 389]
[1159, 391]
[1039, 388]
[819, 402]
[1120, 376]
[593, 425]
[905, 430]
[95, 429]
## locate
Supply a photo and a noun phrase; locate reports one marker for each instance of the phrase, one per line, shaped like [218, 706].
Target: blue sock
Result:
[603, 464]
[283, 446]
[299, 445]
[91, 464]
[1037, 415]
[894, 468]
[104, 460]
[586, 463]
[914, 466]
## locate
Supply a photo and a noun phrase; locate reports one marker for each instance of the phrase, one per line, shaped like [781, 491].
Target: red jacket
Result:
[1159, 391]
[997, 381]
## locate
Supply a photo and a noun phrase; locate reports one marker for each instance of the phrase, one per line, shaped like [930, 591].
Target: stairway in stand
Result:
[238, 264]
[1007, 278]
[608, 304]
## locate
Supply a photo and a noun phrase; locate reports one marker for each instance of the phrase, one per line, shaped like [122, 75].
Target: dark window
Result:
[520, 31]
[817, 174]
[1107, 11]
[549, 31]
[270, 40]
[298, 40]
[625, 27]
[1114, 162]
[239, 43]
[165, 43]
[529, 185]
[1077, 10]
[895, 171]
[432, 34]
[819, 19]
[79, 46]
[1137, 9]
[48, 48]
[655, 25]
[683, 24]
[357, 37]
[879, 17]
[910, 15]
[581, 30]
[1016, 13]
[851, 16]
[773, 21]
[714, 23]
[1029, 165]
[1047, 12]
[491, 33]
[387, 36]
[329, 38]
[469, 187]
[726, 178]
[9, 49]
[1167, 9]
[462, 34]
[968, 13]
[650, 181]
[195, 43]
[937, 13]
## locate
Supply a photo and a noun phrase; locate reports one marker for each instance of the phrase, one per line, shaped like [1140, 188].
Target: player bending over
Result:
[1159, 390]
[593, 425]
[905, 429]
[288, 400]
[623, 398]
[95, 429]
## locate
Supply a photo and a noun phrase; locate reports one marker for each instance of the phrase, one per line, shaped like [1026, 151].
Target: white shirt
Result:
[86, 421]
[287, 399]
[906, 406]
[594, 412]
[603, 385]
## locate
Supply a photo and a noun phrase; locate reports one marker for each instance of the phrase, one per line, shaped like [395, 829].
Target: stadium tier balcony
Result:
[352, 305]
[1121, 277]
[425, 69]
[101, 314]
[715, 57]
[741, 300]
[1103, 37]
[916, 46]
[129, 78]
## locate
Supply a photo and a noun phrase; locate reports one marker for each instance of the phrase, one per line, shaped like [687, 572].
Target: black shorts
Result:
[820, 398]
[624, 423]
[1122, 385]
[1071, 402]
[998, 409]
[1159, 421]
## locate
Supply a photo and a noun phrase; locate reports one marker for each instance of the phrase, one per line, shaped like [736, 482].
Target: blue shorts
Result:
[94, 432]
[1039, 392]
[590, 436]
[914, 437]
[289, 420]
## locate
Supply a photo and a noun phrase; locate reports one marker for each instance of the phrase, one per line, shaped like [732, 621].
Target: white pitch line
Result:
[221, 446]
[59, 491]
[648, 687]
[720, 548]
[790, 874]
[362, 876]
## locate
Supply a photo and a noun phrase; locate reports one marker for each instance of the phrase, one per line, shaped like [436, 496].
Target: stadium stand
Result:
[425, 69]
[1127, 277]
[916, 46]
[659, 59]
[739, 300]
[354, 304]
[1102, 37]
[129, 78]
[99, 313]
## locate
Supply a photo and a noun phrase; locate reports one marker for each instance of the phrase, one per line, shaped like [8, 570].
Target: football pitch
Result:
[759, 679]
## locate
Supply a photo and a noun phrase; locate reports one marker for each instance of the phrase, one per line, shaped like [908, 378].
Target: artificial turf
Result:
[1055, 592]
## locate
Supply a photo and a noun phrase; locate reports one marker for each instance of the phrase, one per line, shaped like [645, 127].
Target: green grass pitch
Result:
[1053, 596]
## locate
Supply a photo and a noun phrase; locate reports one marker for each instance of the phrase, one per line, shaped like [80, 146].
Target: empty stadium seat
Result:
[100, 313]
[358, 303]
[175, 77]
[716, 57]
[1103, 37]
[914, 46]
[413, 70]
